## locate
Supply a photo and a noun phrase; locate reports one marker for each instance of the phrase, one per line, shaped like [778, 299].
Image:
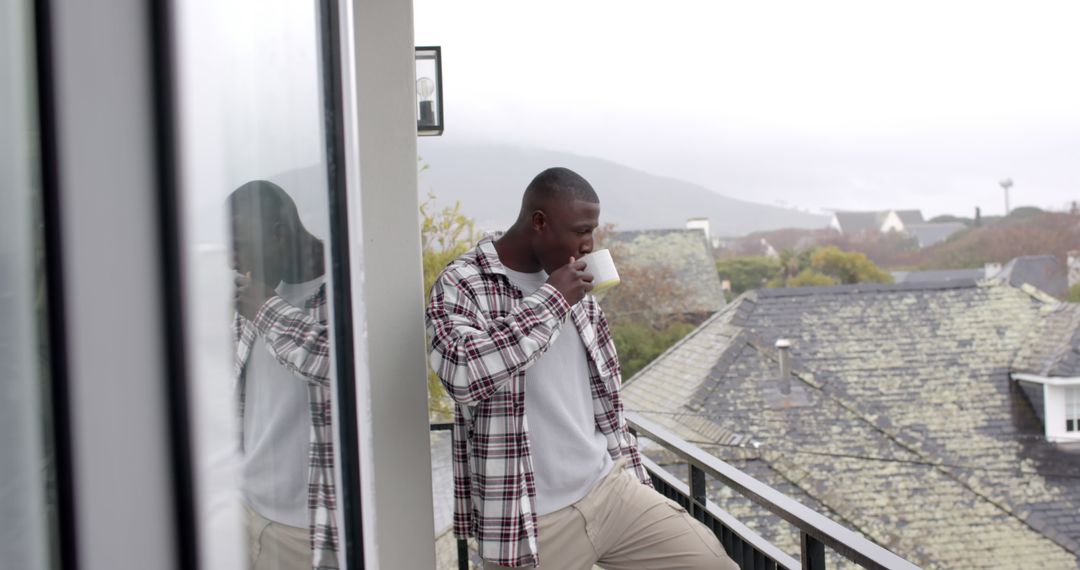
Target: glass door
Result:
[266, 265]
[28, 481]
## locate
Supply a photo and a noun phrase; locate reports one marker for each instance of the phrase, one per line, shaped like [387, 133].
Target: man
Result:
[546, 472]
[282, 367]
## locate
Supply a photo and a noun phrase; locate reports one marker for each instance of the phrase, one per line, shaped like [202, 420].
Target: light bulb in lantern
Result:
[425, 87]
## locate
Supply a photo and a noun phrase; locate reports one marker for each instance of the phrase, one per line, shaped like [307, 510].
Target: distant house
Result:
[848, 222]
[1044, 272]
[852, 223]
[1048, 370]
[900, 220]
[919, 414]
[680, 257]
[909, 222]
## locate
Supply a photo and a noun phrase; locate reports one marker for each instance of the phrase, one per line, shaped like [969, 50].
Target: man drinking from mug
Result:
[546, 472]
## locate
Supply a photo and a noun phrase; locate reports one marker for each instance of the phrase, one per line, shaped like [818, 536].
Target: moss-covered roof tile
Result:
[907, 425]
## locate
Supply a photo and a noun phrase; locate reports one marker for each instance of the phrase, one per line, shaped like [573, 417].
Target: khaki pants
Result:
[275, 546]
[624, 525]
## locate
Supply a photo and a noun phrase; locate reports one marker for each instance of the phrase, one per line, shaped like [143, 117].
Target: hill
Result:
[1023, 232]
[489, 179]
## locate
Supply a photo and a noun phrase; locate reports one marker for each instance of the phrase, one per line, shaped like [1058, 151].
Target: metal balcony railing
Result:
[747, 548]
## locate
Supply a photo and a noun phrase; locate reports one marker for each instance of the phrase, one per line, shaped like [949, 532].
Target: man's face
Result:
[256, 250]
[565, 230]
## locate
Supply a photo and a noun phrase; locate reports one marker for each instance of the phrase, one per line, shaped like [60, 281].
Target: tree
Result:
[444, 235]
[638, 344]
[648, 293]
[827, 265]
[810, 278]
[641, 326]
[1029, 233]
[1074, 294]
[748, 272]
[847, 267]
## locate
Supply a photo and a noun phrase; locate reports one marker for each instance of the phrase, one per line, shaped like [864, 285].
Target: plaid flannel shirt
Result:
[299, 339]
[484, 335]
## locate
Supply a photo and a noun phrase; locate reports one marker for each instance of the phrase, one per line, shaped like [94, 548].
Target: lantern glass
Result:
[429, 108]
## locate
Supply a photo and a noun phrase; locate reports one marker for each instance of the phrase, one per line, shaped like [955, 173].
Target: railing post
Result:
[462, 554]
[813, 553]
[697, 492]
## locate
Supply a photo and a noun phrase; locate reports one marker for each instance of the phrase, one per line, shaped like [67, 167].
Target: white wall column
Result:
[395, 456]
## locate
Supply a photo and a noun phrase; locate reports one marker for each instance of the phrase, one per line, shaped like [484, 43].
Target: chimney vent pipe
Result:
[783, 346]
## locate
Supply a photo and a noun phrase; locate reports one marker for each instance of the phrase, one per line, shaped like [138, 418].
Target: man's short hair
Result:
[266, 202]
[561, 183]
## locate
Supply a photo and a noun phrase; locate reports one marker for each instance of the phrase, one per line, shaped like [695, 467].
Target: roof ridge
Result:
[868, 288]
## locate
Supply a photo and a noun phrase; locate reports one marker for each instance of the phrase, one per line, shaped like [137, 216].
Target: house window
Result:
[1072, 409]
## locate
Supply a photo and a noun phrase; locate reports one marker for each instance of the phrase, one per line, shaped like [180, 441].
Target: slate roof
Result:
[854, 222]
[1044, 272]
[938, 275]
[910, 216]
[686, 253]
[905, 425]
[1053, 347]
[930, 234]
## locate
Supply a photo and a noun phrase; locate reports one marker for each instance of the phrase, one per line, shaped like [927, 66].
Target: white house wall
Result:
[892, 223]
[392, 407]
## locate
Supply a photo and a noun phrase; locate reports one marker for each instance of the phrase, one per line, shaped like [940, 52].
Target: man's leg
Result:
[634, 528]
[563, 542]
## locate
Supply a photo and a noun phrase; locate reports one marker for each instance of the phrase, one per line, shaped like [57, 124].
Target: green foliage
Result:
[638, 343]
[1025, 232]
[444, 235]
[969, 222]
[847, 267]
[747, 272]
[1074, 294]
[827, 265]
[810, 278]
[1024, 214]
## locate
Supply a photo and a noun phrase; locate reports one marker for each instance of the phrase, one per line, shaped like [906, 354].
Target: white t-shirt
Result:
[569, 452]
[277, 428]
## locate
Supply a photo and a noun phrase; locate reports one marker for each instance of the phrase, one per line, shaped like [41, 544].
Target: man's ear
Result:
[284, 240]
[539, 221]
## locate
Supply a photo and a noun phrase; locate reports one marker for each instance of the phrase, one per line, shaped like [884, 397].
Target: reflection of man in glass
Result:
[283, 382]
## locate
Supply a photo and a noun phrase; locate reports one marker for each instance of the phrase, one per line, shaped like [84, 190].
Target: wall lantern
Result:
[429, 98]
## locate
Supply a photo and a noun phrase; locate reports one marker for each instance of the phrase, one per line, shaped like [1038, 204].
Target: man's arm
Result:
[299, 342]
[606, 338]
[474, 356]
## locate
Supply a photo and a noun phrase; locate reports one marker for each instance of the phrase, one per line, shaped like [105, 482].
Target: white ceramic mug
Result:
[601, 266]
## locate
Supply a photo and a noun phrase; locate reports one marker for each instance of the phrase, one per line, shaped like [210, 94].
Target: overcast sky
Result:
[814, 105]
